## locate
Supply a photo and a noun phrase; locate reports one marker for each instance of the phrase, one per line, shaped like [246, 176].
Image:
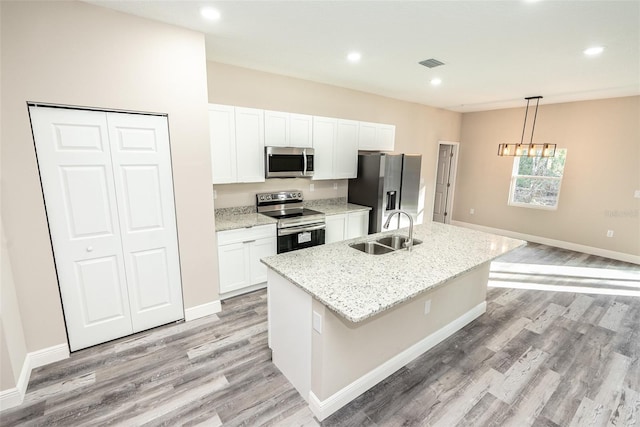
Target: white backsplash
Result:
[231, 195]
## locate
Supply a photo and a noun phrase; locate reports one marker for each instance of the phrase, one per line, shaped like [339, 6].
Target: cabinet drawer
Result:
[246, 234]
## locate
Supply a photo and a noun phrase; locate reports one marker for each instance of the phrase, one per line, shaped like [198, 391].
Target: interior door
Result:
[144, 188]
[442, 184]
[79, 191]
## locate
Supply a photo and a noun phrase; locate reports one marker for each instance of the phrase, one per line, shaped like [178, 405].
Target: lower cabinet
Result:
[239, 254]
[346, 226]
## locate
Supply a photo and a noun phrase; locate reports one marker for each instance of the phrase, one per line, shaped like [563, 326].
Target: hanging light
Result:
[530, 149]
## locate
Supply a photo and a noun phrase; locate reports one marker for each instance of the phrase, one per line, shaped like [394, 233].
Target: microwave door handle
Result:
[304, 162]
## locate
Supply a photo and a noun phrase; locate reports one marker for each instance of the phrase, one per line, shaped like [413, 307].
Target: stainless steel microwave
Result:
[288, 162]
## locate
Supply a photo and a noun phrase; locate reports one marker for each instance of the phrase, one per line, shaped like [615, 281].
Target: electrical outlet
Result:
[472, 211]
[427, 306]
[335, 185]
[609, 233]
[312, 187]
[215, 194]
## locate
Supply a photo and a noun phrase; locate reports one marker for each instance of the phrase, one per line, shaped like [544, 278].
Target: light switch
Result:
[317, 322]
[215, 194]
[636, 194]
[312, 187]
[427, 306]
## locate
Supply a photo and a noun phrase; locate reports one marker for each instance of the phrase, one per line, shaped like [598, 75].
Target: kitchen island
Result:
[341, 320]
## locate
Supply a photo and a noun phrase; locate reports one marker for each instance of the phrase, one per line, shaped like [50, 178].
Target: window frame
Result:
[514, 179]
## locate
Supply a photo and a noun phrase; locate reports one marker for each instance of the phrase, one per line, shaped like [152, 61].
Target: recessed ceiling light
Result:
[354, 56]
[436, 81]
[593, 51]
[210, 13]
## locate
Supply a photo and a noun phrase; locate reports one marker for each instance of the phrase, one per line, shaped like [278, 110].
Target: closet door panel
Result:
[78, 186]
[144, 184]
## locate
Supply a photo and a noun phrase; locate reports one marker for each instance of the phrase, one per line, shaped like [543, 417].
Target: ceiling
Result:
[495, 52]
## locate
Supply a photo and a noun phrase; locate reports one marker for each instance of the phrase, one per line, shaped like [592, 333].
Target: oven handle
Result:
[304, 157]
[296, 230]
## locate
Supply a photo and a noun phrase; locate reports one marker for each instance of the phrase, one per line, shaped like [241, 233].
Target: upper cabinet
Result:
[287, 129]
[376, 137]
[237, 144]
[335, 143]
[238, 136]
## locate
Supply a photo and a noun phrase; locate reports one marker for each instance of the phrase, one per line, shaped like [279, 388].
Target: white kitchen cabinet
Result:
[335, 143]
[335, 228]
[237, 144]
[287, 129]
[376, 137]
[357, 224]
[346, 226]
[239, 254]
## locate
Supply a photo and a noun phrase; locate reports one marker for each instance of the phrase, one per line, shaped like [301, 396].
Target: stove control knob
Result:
[299, 194]
[268, 196]
[261, 197]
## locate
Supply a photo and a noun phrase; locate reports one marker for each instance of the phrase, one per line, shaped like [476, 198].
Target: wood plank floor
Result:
[536, 357]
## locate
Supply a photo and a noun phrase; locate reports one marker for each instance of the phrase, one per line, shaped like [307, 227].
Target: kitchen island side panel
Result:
[345, 352]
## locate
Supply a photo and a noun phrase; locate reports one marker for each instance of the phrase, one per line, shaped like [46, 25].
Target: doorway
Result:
[446, 166]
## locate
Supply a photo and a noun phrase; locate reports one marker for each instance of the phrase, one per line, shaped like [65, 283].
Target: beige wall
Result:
[13, 349]
[418, 127]
[601, 173]
[79, 54]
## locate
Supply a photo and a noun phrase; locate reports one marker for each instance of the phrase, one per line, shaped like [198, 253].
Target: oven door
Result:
[288, 162]
[294, 238]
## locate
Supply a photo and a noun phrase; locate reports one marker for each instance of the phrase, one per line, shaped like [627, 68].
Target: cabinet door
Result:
[223, 143]
[357, 224]
[77, 181]
[324, 140]
[259, 249]
[233, 266]
[385, 137]
[367, 136]
[345, 162]
[276, 129]
[144, 187]
[336, 226]
[249, 125]
[300, 130]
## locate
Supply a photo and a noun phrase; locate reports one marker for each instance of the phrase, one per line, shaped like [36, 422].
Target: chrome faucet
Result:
[409, 243]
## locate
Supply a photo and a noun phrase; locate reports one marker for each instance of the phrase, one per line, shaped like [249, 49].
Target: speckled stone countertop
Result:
[334, 206]
[358, 286]
[240, 217]
[246, 216]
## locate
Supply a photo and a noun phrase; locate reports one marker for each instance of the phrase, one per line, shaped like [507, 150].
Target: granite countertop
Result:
[357, 285]
[240, 217]
[246, 216]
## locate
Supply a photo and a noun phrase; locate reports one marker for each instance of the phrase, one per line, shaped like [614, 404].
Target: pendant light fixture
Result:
[530, 149]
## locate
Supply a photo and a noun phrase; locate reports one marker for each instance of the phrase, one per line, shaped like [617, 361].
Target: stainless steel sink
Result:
[372, 248]
[396, 241]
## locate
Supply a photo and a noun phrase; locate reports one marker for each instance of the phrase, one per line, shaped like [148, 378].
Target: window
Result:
[535, 181]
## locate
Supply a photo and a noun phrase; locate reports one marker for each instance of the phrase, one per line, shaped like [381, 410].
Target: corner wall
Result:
[75, 53]
[602, 172]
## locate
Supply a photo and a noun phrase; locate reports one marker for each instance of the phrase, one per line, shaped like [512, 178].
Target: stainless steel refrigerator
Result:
[387, 182]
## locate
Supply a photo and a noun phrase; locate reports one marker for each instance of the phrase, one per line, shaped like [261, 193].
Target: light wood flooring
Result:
[536, 357]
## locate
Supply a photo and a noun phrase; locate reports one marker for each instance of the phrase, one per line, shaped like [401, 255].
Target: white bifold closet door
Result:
[108, 192]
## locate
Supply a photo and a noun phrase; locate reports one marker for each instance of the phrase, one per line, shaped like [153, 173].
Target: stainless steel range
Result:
[298, 227]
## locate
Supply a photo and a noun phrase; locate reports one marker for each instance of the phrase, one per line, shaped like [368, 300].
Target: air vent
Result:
[431, 63]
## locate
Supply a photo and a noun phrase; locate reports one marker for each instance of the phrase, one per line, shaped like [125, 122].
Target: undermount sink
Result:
[384, 245]
[396, 241]
[372, 248]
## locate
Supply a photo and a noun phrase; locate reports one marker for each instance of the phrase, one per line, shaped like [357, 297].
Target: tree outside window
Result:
[535, 181]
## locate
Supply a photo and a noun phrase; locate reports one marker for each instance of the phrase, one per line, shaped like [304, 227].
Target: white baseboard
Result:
[207, 309]
[323, 408]
[14, 396]
[620, 256]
